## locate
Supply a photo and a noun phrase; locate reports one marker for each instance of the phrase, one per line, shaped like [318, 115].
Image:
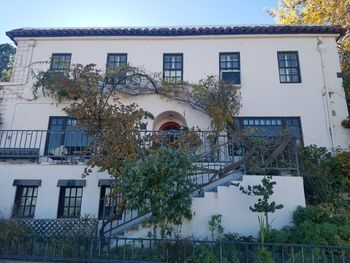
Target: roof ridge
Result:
[175, 31]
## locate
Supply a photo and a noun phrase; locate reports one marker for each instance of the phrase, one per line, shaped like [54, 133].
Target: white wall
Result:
[48, 192]
[262, 94]
[227, 201]
[234, 208]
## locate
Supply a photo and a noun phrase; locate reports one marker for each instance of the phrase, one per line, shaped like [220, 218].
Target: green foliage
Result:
[323, 177]
[11, 231]
[346, 81]
[265, 191]
[315, 225]
[161, 178]
[215, 227]
[80, 81]
[263, 229]
[263, 255]
[342, 161]
[7, 53]
[220, 101]
[114, 129]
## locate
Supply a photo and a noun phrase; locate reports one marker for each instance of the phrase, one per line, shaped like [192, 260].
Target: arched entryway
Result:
[170, 126]
[169, 120]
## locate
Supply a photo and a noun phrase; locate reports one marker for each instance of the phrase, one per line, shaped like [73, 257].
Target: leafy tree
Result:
[322, 176]
[264, 191]
[342, 161]
[158, 175]
[316, 225]
[215, 227]
[7, 53]
[159, 183]
[221, 101]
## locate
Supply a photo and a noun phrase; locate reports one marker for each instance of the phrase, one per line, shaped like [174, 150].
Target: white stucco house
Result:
[288, 76]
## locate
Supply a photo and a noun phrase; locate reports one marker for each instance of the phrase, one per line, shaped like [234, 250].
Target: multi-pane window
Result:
[60, 62]
[289, 68]
[64, 137]
[70, 202]
[266, 127]
[108, 202]
[114, 61]
[173, 68]
[230, 68]
[25, 201]
[270, 126]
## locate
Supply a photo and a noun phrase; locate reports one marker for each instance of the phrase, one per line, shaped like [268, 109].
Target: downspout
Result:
[326, 94]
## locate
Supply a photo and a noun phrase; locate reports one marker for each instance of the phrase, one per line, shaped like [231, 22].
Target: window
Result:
[270, 126]
[288, 65]
[108, 203]
[266, 127]
[70, 202]
[60, 62]
[25, 201]
[114, 61]
[230, 68]
[64, 138]
[173, 68]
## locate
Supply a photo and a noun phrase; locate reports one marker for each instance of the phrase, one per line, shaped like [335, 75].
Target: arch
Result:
[168, 118]
[170, 125]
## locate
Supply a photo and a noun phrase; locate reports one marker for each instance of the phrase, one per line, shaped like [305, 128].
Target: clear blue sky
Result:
[107, 13]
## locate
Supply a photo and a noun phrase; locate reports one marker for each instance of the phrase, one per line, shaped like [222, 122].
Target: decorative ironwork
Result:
[218, 155]
[214, 152]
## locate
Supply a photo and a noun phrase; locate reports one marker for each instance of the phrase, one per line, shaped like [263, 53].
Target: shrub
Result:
[315, 225]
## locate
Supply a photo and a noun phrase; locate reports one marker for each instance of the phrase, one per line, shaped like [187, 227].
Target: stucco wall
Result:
[234, 208]
[227, 201]
[262, 93]
[48, 192]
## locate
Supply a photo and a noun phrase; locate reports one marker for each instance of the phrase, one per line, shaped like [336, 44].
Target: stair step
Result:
[212, 187]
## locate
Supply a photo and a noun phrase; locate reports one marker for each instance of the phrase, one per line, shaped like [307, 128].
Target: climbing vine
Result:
[219, 100]
[159, 176]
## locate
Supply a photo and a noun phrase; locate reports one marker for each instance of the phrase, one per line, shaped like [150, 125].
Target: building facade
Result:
[287, 75]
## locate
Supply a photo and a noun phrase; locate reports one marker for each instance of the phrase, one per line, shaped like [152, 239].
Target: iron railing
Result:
[163, 250]
[213, 151]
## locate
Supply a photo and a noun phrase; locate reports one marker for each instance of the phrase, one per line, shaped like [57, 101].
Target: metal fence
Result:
[161, 250]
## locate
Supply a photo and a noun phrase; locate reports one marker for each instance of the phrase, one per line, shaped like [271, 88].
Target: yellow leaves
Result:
[334, 12]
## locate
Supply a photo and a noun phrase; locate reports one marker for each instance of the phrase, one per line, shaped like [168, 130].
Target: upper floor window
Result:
[173, 68]
[25, 201]
[115, 61]
[69, 205]
[230, 68]
[60, 62]
[289, 68]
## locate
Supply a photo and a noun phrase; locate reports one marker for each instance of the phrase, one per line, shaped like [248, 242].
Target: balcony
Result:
[213, 152]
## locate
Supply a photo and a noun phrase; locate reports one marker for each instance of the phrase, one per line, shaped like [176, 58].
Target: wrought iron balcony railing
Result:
[213, 151]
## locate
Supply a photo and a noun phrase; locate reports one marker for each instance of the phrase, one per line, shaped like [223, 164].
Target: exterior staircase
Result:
[133, 218]
[218, 165]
